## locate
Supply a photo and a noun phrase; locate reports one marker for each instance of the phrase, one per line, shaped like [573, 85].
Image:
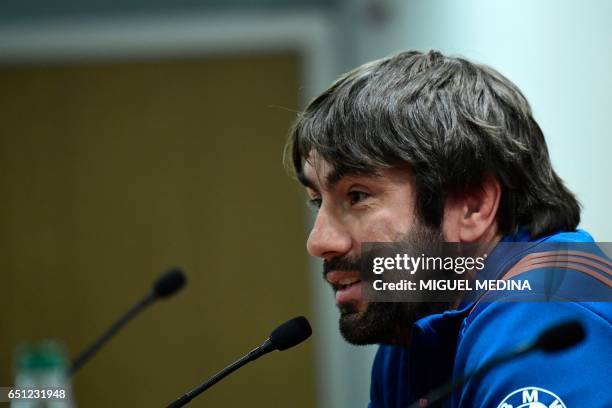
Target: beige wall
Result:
[111, 173]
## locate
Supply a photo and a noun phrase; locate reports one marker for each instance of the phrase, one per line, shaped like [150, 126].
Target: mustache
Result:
[343, 263]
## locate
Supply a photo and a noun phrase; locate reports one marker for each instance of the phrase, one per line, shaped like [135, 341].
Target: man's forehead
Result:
[316, 172]
[317, 168]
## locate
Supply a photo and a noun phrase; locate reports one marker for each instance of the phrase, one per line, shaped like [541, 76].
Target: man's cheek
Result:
[386, 229]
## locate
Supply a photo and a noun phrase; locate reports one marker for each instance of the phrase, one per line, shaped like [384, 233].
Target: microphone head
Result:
[169, 283]
[291, 333]
[560, 336]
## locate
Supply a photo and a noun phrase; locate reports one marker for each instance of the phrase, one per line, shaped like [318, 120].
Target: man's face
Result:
[355, 209]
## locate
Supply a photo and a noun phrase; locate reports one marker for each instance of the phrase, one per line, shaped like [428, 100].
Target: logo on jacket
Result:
[531, 397]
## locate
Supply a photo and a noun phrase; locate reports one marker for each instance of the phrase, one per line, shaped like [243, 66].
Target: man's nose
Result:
[328, 238]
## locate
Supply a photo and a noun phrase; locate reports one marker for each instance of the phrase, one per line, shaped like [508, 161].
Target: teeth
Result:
[348, 281]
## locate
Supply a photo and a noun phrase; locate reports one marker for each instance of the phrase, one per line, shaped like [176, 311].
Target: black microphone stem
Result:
[86, 354]
[254, 354]
[553, 339]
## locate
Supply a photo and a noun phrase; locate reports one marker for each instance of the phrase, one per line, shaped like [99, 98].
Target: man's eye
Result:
[357, 196]
[314, 203]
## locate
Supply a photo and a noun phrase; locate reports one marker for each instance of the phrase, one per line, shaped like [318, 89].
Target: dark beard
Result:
[385, 322]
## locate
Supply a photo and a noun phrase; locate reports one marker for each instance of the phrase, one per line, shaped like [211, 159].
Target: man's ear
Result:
[471, 215]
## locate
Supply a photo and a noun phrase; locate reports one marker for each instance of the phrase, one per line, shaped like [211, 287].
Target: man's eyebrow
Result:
[334, 177]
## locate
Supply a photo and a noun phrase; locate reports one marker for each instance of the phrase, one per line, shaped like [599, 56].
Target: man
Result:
[420, 147]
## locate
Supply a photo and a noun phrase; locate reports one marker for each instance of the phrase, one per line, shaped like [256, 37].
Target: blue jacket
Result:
[448, 345]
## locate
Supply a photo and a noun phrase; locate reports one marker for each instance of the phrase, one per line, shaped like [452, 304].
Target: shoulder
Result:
[577, 377]
[564, 266]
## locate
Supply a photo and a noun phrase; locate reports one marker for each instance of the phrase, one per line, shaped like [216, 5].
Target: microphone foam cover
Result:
[169, 283]
[290, 333]
[561, 336]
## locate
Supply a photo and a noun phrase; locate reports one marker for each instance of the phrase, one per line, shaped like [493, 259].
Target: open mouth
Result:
[346, 285]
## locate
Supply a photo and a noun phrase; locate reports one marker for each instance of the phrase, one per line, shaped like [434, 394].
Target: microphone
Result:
[556, 338]
[289, 334]
[165, 286]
